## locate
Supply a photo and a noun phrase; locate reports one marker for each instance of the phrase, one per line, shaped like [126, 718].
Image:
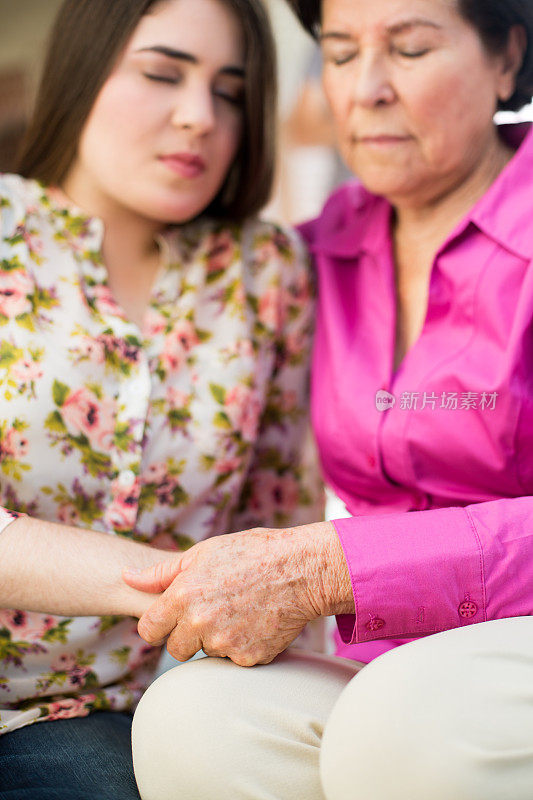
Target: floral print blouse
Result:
[188, 427]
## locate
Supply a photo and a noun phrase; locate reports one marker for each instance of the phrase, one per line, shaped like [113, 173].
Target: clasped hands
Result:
[244, 595]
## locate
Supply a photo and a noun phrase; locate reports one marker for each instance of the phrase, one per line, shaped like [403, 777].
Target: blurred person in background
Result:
[153, 360]
[422, 403]
[311, 164]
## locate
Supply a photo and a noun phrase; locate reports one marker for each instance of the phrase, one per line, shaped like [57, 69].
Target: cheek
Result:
[449, 120]
[337, 96]
[122, 112]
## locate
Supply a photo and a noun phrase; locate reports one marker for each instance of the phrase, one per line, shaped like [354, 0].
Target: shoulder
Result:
[260, 250]
[347, 207]
[18, 196]
[276, 262]
[268, 242]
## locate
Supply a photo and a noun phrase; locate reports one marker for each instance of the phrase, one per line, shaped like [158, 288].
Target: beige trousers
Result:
[449, 717]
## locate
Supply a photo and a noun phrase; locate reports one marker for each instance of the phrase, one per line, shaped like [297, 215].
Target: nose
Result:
[372, 84]
[194, 109]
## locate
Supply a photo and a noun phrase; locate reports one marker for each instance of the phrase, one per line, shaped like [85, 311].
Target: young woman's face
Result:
[167, 124]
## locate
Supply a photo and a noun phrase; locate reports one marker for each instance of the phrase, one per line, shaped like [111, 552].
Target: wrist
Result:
[133, 602]
[330, 583]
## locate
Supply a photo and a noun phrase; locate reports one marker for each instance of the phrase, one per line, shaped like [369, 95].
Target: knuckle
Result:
[160, 570]
[217, 643]
[196, 621]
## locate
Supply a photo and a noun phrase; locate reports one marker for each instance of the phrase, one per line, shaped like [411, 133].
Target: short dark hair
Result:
[86, 40]
[492, 19]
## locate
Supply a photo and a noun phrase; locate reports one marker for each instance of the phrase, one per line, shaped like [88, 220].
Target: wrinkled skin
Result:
[245, 595]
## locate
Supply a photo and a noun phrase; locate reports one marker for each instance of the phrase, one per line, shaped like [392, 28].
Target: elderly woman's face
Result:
[413, 93]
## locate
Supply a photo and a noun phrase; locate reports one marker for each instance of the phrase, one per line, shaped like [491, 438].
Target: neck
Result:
[129, 237]
[129, 248]
[434, 218]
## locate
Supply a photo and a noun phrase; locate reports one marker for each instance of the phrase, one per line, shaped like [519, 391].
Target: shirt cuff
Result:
[412, 573]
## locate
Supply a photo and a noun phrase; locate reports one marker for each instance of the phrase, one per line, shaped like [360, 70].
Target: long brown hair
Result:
[86, 40]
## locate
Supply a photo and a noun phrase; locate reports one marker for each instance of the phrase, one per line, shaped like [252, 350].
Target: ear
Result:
[512, 61]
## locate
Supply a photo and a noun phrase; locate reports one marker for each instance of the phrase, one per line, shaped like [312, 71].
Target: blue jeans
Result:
[69, 759]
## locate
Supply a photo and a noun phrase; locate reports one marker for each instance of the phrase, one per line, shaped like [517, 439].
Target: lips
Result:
[188, 165]
[380, 139]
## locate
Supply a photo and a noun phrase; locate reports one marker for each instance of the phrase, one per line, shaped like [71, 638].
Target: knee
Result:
[209, 729]
[423, 721]
[178, 731]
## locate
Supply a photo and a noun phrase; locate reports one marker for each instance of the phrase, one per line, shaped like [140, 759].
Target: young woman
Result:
[153, 360]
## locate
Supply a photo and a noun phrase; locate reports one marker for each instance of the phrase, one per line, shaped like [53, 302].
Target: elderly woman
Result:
[422, 403]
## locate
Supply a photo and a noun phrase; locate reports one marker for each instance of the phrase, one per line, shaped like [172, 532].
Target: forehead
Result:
[356, 15]
[208, 29]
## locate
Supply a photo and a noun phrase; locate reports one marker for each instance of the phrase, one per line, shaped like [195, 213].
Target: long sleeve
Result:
[283, 485]
[422, 572]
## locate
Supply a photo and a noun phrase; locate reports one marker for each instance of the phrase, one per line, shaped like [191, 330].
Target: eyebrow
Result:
[416, 22]
[181, 55]
[399, 27]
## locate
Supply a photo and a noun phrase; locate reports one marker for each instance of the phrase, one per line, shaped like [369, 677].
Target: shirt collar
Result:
[355, 221]
[352, 220]
[504, 211]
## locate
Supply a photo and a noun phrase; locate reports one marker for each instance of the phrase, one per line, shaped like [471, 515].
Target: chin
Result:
[384, 185]
[173, 213]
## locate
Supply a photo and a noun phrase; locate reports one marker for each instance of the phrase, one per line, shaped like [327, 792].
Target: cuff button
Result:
[375, 624]
[467, 609]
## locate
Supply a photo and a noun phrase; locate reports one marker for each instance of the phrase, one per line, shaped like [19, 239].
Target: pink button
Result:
[467, 609]
[375, 624]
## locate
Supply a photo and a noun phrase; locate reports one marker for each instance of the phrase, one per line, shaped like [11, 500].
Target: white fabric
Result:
[210, 729]
[449, 717]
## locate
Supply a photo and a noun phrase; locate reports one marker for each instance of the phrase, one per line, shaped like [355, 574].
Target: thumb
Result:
[154, 579]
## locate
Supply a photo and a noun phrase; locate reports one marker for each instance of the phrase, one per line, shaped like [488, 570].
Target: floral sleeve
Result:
[13, 280]
[283, 486]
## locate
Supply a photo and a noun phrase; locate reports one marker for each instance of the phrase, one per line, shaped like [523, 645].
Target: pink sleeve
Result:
[7, 517]
[426, 571]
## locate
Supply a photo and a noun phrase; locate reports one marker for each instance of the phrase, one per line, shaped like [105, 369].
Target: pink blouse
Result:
[449, 435]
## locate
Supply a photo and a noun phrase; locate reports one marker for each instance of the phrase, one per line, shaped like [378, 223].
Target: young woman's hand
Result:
[245, 595]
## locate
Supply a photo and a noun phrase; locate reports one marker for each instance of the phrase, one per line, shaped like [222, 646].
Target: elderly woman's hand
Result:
[245, 595]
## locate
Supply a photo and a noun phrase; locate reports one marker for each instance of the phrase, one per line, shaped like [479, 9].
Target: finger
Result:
[182, 645]
[154, 579]
[160, 620]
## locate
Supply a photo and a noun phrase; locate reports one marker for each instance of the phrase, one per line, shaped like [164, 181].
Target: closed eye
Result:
[413, 53]
[339, 60]
[234, 100]
[161, 78]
